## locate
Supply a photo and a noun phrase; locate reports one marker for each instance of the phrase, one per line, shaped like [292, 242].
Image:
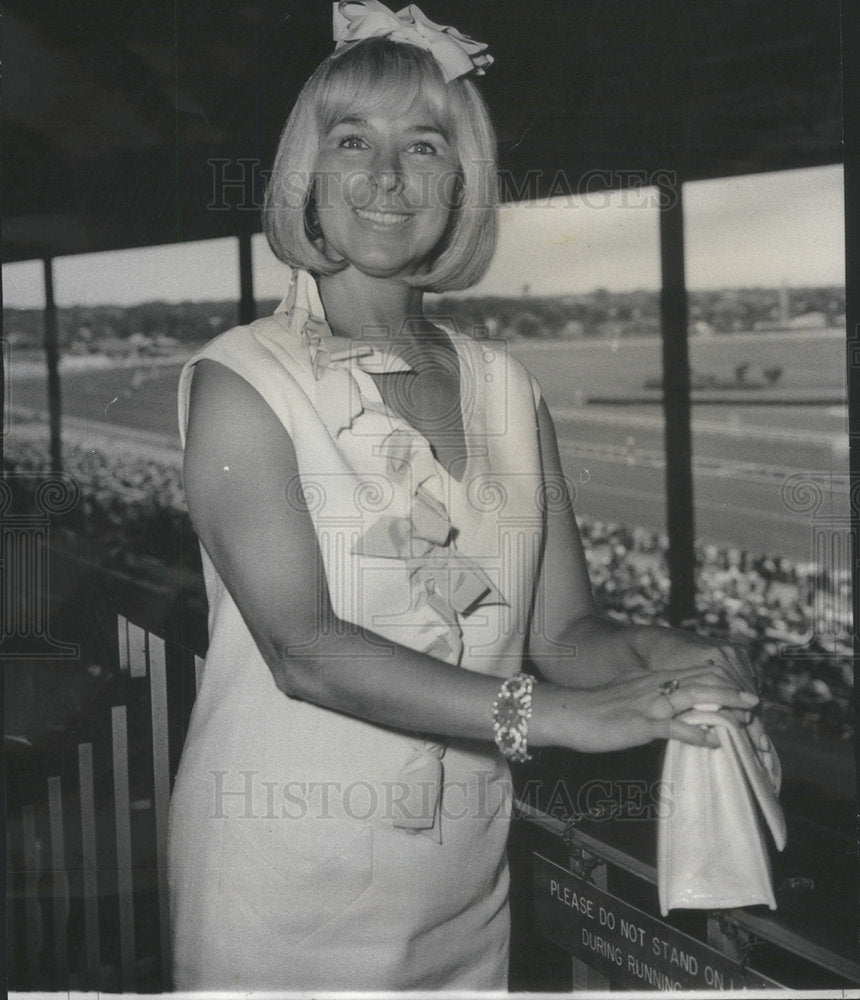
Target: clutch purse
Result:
[714, 805]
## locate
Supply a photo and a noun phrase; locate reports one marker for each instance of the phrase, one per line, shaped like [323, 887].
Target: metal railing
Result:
[732, 933]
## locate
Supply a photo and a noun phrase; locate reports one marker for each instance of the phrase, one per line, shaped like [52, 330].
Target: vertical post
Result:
[247, 306]
[51, 342]
[122, 643]
[137, 650]
[60, 884]
[122, 818]
[90, 866]
[32, 905]
[161, 784]
[5, 394]
[12, 915]
[850, 19]
[676, 406]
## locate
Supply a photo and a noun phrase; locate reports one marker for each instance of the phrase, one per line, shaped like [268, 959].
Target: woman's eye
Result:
[425, 148]
[352, 142]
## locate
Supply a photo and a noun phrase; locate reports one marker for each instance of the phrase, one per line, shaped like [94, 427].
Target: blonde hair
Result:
[377, 74]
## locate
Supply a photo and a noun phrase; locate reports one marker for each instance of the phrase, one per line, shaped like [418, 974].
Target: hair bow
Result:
[456, 53]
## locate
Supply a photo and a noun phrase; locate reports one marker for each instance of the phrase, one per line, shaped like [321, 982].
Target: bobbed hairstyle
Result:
[378, 75]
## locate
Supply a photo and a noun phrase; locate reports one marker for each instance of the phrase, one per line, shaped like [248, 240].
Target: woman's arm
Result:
[571, 643]
[238, 462]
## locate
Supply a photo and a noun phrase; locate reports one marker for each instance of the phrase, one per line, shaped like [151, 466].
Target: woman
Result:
[386, 535]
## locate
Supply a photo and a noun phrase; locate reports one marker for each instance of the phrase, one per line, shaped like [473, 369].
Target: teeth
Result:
[385, 218]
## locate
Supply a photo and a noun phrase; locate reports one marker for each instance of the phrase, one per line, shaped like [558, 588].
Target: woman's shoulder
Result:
[492, 362]
[266, 354]
[253, 342]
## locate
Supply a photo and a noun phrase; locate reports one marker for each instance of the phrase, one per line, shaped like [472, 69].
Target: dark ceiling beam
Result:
[114, 112]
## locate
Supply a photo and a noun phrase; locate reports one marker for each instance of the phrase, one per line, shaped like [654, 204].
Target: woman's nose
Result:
[387, 174]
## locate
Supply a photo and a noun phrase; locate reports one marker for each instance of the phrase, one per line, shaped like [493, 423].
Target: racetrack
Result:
[613, 455]
[742, 453]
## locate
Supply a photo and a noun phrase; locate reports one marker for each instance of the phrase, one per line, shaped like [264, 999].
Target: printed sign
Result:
[624, 944]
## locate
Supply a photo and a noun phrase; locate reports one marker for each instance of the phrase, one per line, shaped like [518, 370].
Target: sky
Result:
[762, 229]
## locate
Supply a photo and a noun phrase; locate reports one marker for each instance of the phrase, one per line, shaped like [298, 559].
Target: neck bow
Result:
[457, 54]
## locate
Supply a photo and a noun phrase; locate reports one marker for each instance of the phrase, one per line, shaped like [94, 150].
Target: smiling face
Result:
[384, 189]
[349, 146]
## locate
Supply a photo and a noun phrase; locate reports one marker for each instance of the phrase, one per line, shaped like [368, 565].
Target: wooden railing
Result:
[74, 876]
[87, 904]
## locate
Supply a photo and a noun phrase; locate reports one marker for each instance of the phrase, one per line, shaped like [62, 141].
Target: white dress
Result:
[308, 849]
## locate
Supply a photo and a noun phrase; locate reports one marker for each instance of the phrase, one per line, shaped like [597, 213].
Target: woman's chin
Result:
[382, 268]
[376, 260]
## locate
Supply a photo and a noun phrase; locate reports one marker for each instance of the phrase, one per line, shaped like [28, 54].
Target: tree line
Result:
[164, 326]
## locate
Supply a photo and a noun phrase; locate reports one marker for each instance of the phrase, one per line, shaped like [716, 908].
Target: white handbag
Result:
[711, 850]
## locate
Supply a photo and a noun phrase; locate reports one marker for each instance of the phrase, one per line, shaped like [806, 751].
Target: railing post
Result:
[33, 919]
[90, 867]
[122, 821]
[59, 883]
[161, 782]
[13, 931]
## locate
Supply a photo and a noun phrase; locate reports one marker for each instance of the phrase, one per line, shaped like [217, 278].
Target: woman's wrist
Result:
[661, 647]
[643, 639]
[569, 717]
[545, 724]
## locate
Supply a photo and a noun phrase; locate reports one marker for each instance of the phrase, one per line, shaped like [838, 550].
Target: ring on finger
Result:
[666, 689]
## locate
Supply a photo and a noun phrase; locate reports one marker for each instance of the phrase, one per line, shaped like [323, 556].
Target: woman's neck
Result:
[356, 303]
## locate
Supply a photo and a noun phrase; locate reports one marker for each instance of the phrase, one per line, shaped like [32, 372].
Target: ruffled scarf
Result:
[446, 586]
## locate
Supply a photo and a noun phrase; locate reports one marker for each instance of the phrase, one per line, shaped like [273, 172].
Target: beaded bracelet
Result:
[512, 710]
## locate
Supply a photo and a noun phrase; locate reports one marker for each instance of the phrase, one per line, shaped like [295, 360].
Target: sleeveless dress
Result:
[310, 850]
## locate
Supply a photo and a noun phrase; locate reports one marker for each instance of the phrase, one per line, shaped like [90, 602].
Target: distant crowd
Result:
[795, 617]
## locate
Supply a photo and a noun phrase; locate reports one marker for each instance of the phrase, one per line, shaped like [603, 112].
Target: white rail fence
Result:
[87, 897]
[87, 903]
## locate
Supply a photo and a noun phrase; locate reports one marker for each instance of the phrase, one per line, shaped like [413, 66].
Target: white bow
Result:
[456, 53]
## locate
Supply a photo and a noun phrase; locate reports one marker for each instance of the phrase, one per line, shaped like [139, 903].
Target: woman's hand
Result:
[634, 710]
[670, 649]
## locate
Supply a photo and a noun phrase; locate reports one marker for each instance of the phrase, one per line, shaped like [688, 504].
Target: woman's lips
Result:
[383, 219]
